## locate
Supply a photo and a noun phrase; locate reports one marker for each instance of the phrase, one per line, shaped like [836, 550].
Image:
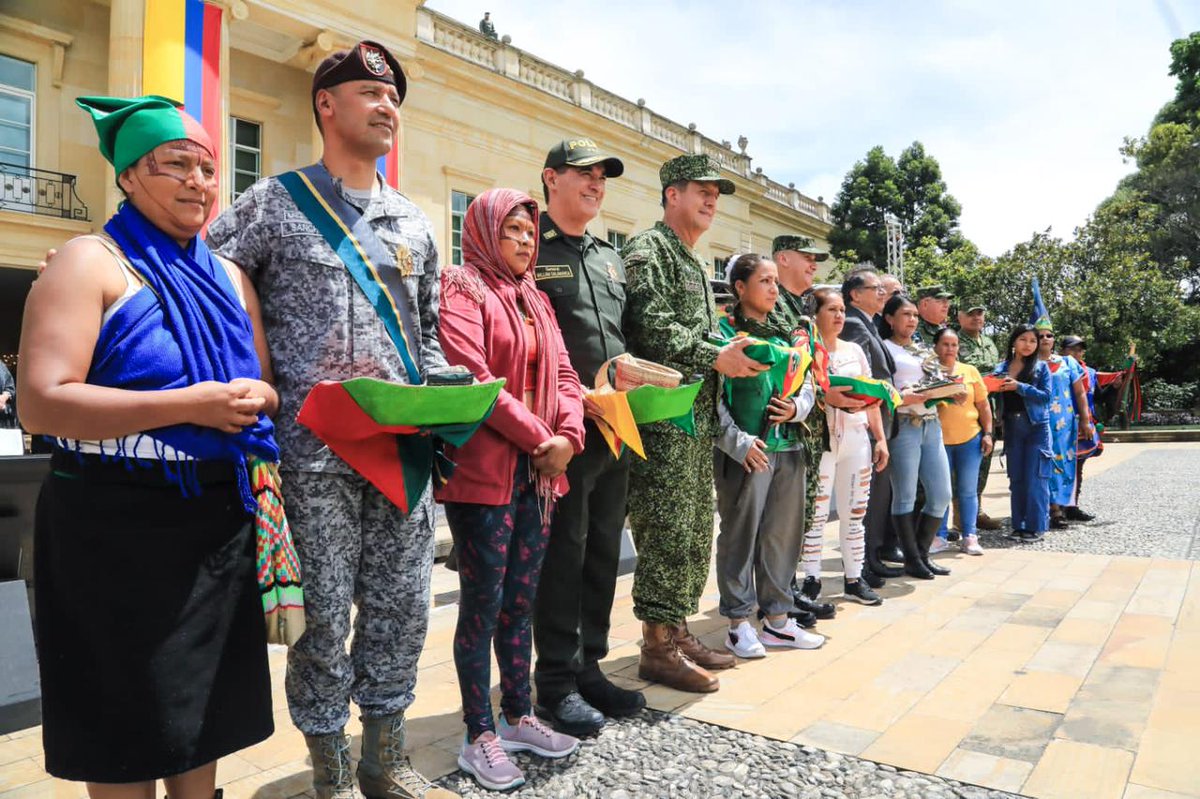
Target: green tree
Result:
[1185, 65]
[910, 187]
[928, 210]
[870, 189]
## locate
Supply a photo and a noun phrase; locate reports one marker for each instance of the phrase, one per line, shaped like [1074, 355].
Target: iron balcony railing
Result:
[40, 191]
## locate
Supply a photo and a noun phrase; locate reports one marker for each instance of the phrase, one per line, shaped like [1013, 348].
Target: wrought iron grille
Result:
[40, 191]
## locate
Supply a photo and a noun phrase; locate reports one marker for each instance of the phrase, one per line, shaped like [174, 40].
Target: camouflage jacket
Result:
[926, 331]
[670, 314]
[319, 324]
[978, 352]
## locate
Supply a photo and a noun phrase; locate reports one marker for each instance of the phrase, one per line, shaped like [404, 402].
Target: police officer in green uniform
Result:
[584, 278]
[669, 319]
[933, 306]
[979, 350]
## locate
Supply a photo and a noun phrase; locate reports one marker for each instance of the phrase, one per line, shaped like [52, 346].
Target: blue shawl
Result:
[187, 328]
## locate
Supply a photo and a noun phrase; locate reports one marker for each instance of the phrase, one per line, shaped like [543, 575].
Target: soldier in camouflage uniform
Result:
[669, 317]
[977, 348]
[354, 545]
[933, 306]
[797, 258]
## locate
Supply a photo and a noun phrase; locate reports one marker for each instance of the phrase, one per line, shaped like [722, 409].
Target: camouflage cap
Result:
[798, 244]
[579, 151]
[936, 290]
[699, 168]
[971, 306]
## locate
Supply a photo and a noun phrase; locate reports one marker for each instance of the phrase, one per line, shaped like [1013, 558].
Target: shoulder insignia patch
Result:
[404, 260]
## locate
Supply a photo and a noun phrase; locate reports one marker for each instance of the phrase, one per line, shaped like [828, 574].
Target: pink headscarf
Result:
[481, 252]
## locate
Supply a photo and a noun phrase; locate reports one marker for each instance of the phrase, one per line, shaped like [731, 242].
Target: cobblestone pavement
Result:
[659, 755]
[1147, 506]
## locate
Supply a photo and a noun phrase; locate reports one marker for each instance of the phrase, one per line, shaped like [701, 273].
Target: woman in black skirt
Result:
[142, 357]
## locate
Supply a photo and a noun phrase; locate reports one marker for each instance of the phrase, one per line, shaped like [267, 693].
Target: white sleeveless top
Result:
[139, 446]
[848, 360]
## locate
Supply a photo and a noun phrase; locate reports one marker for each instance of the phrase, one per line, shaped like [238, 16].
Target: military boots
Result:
[385, 771]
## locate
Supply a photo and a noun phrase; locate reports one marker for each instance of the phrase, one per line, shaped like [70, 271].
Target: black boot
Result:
[809, 604]
[877, 566]
[927, 527]
[889, 547]
[906, 530]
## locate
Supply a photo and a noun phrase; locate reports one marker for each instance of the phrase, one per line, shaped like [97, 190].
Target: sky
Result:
[1025, 104]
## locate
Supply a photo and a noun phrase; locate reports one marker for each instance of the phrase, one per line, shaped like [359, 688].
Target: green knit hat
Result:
[131, 127]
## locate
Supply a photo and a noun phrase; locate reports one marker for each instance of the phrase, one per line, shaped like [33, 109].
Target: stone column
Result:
[125, 23]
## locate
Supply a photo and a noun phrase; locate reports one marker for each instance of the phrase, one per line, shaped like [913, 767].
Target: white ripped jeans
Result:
[846, 473]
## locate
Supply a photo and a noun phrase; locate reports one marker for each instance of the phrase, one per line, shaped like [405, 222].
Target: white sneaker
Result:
[939, 545]
[743, 642]
[970, 545]
[790, 635]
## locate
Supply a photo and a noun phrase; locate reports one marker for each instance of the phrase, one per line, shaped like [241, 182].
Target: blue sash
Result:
[187, 327]
[368, 261]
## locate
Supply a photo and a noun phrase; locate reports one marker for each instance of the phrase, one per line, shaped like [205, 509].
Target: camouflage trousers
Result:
[671, 516]
[356, 547]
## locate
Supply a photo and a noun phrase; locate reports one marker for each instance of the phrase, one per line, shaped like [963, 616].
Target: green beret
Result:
[699, 168]
[797, 244]
[130, 127]
[935, 290]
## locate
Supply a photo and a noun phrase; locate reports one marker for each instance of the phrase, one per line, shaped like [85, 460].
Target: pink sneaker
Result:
[488, 763]
[531, 735]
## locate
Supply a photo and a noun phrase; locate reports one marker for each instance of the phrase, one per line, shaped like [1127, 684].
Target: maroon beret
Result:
[364, 61]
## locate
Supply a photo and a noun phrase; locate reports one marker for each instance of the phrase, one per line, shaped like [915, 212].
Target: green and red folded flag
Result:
[623, 411]
[868, 389]
[392, 433]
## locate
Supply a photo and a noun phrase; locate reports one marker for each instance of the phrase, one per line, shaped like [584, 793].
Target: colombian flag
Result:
[181, 59]
[394, 434]
[389, 166]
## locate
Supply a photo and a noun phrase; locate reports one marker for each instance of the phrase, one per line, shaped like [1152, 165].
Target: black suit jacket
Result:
[861, 329]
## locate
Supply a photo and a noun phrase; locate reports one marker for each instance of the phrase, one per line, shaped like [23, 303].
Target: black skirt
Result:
[149, 625]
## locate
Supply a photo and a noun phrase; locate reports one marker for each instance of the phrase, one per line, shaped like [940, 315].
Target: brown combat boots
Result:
[332, 778]
[692, 648]
[663, 663]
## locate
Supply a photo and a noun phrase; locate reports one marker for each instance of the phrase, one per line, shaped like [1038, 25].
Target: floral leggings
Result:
[846, 473]
[500, 552]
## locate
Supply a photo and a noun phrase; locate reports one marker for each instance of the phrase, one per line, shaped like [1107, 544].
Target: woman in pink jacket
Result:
[507, 477]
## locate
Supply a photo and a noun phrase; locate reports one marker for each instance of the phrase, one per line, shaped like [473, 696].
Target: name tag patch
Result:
[692, 285]
[553, 272]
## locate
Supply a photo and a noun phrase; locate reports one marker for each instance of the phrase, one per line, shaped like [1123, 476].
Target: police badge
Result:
[374, 60]
[404, 260]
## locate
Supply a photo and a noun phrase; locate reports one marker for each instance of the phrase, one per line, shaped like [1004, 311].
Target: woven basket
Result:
[633, 372]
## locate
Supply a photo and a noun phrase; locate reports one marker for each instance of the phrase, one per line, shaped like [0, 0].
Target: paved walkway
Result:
[1050, 674]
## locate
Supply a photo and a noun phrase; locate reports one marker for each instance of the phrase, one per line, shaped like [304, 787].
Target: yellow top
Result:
[960, 423]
